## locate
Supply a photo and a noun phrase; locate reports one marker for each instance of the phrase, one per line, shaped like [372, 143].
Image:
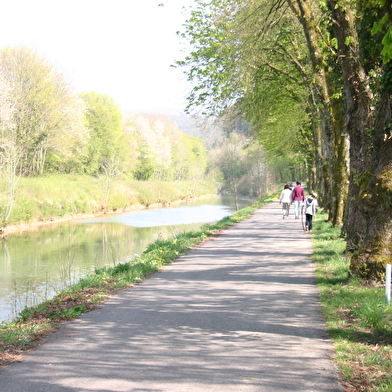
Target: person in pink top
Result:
[298, 196]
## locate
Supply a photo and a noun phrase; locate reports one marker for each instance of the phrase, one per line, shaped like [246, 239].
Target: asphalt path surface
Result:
[239, 313]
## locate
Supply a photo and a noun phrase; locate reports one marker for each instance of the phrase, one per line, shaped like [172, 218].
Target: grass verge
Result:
[358, 318]
[34, 323]
[51, 197]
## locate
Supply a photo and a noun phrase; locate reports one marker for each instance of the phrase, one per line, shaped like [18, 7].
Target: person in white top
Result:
[310, 210]
[286, 199]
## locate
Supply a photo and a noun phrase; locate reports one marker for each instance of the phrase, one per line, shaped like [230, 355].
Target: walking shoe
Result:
[306, 228]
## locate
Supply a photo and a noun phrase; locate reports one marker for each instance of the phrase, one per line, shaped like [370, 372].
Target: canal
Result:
[35, 265]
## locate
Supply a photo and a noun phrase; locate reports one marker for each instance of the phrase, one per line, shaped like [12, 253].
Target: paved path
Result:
[240, 313]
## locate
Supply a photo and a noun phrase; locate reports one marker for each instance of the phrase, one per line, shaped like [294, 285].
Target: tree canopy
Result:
[48, 116]
[314, 80]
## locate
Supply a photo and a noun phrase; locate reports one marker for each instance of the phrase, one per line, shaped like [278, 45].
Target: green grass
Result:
[21, 336]
[358, 318]
[59, 196]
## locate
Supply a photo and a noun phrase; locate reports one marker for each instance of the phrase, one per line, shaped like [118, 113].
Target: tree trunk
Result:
[329, 136]
[369, 225]
[375, 249]
[340, 169]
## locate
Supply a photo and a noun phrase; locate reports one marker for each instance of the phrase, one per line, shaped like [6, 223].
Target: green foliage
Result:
[381, 18]
[212, 62]
[231, 161]
[104, 120]
[24, 211]
[145, 167]
[164, 152]
[375, 19]
[387, 49]
[69, 313]
[48, 116]
[260, 70]
[27, 312]
[378, 26]
[20, 335]
[193, 162]
[277, 64]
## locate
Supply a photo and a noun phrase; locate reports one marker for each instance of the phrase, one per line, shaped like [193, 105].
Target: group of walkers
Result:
[297, 197]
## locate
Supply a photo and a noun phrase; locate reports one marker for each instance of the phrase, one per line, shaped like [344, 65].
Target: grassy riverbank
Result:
[358, 318]
[53, 197]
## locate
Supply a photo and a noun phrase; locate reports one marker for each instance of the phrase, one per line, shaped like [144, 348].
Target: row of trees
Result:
[45, 127]
[241, 164]
[314, 79]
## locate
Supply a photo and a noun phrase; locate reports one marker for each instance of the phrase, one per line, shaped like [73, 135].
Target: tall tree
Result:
[232, 163]
[329, 135]
[45, 107]
[264, 68]
[346, 94]
[154, 152]
[163, 151]
[369, 225]
[10, 151]
[107, 140]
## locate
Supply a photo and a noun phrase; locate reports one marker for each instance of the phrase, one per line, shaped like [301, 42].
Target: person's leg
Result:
[307, 221]
[310, 222]
[297, 208]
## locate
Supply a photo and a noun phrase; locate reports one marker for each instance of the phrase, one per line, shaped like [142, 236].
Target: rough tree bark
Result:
[369, 223]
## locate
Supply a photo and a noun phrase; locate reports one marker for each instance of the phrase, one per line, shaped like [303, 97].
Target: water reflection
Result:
[38, 264]
[166, 217]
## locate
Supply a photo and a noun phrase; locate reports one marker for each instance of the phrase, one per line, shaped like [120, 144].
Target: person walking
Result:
[286, 199]
[298, 196]
[310, 210]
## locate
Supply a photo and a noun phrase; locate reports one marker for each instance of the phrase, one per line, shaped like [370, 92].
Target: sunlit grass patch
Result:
[21, 335]
[358, 318]
[59, 196]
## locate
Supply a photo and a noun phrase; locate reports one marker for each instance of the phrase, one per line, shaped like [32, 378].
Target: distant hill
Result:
[186, 123]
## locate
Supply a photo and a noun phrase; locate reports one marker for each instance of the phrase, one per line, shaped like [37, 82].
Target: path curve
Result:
[239, 313]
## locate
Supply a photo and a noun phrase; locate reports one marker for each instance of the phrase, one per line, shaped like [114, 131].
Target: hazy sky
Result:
[123, 48]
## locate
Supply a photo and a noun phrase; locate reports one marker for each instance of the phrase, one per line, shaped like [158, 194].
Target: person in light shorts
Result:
[286, 199]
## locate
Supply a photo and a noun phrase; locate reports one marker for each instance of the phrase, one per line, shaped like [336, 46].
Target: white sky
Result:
[123, 48]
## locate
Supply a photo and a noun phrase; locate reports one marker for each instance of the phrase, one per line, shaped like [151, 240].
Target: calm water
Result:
[38, 264]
